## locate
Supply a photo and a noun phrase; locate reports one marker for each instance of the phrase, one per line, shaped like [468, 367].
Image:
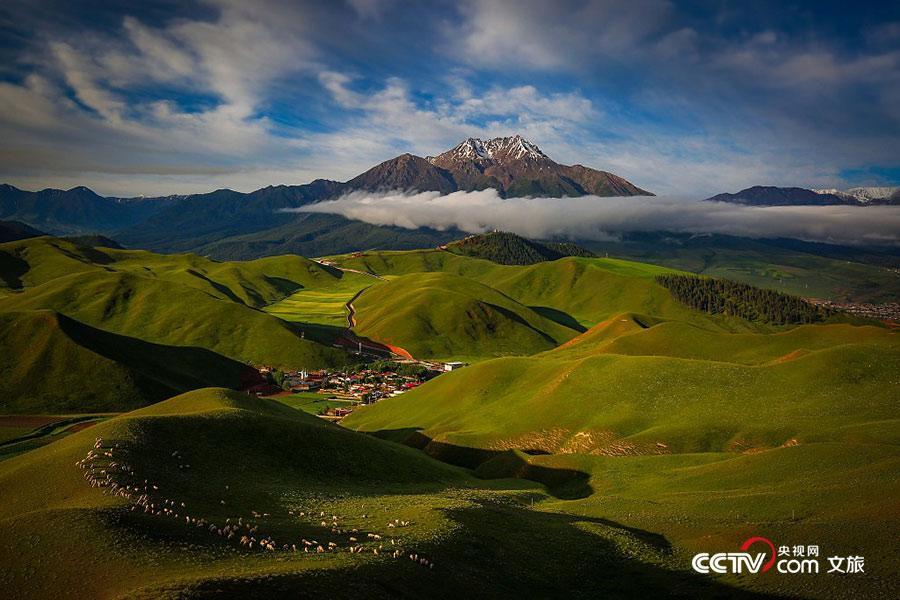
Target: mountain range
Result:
[764, 195]
[512, 165]
[226, 224]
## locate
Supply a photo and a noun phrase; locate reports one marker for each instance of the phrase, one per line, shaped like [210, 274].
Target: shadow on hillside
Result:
[222, 289]
[160, 371]
[565, 484]
[11, 270]
[495, 550]
[518, 319]
[284, 286]
[92, 254]
[560, 317]
[315, 332]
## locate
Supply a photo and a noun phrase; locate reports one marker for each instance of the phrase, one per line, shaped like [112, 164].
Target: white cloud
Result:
[390, 120]
[549, 35]
[596, 218]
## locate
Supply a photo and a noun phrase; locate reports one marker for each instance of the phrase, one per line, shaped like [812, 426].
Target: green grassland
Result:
[256, 283]
[164, 312]
[588, 290]
[323, 304]
[439, 304]
[441, 314]
[604, 433]
[57, 364]
[686, 429]
[311, 402]
[18, 436]
[60, 537]
[141, 327]
[803, 269]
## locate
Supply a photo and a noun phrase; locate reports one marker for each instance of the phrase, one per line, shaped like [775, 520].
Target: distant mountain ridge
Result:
[196, 222]
[867, 195]
[761, 195]
[10, 231]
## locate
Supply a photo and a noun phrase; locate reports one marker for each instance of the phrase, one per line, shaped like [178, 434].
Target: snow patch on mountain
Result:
[862, 195]
[497, 149]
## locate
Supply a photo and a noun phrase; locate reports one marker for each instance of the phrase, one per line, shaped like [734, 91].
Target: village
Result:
[888, 313]
[332, 394]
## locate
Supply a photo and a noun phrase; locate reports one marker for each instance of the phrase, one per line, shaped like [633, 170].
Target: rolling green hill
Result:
[804, 269]
[54, 364]
[231, 460]
[443, 315]
[704, 436]
[315, 234]
[142, 327]
[255, 283]
[163, 312]
[511, 249]
[574, 291]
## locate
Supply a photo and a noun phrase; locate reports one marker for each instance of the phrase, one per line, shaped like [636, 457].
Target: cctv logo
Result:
[737, 562]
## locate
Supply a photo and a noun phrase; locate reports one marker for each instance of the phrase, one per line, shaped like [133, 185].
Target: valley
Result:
[597, 424]
[456, 300]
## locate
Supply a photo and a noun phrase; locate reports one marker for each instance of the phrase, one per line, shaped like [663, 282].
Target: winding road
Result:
[351, 319]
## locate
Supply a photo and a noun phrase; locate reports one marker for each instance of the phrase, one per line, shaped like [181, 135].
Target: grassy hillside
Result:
[510, 249]
[54, 364]
[443, 315]
[176, 300]
[323, 304]
[704, 436]
[639, 335]
[790, 266]
[267, 466]
[646, 404]
[255, 283]
[576, 292]
[168, 313]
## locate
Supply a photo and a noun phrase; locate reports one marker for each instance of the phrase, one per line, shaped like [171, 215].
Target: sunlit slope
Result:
[249, 453]
[27, 263]
[50, 363]
[575, 400]
[443, 315]
[232, 459]
[324, 304]
[640, 335]
[591, 289]
[169, 313]
[581, 291]
[791, 435]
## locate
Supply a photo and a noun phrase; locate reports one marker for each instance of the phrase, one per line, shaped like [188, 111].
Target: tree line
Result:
[723, 296]
[511, 249]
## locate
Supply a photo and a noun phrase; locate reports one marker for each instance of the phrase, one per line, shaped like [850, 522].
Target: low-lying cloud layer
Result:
[595, 218]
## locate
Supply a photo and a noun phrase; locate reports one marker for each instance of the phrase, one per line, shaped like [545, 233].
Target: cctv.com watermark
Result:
[759, 555]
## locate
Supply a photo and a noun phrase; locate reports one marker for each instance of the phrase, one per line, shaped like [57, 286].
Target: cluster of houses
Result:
[889, 312]
[357, 386]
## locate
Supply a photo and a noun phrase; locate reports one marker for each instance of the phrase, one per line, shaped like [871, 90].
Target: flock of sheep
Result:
[103, 467]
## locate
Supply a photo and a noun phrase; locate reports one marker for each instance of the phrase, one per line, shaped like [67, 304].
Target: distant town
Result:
[342, 390]
[889, 312]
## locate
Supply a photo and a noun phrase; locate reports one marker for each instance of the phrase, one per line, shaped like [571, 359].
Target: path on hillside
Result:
[346, 270]
[351, 312]
[366, 273]
[349, 337]
[376, 346]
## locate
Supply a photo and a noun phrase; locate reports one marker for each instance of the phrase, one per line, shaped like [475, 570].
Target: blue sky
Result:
[688, 98]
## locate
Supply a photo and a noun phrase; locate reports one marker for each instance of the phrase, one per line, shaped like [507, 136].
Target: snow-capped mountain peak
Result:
[863, 195]
[498, 149]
